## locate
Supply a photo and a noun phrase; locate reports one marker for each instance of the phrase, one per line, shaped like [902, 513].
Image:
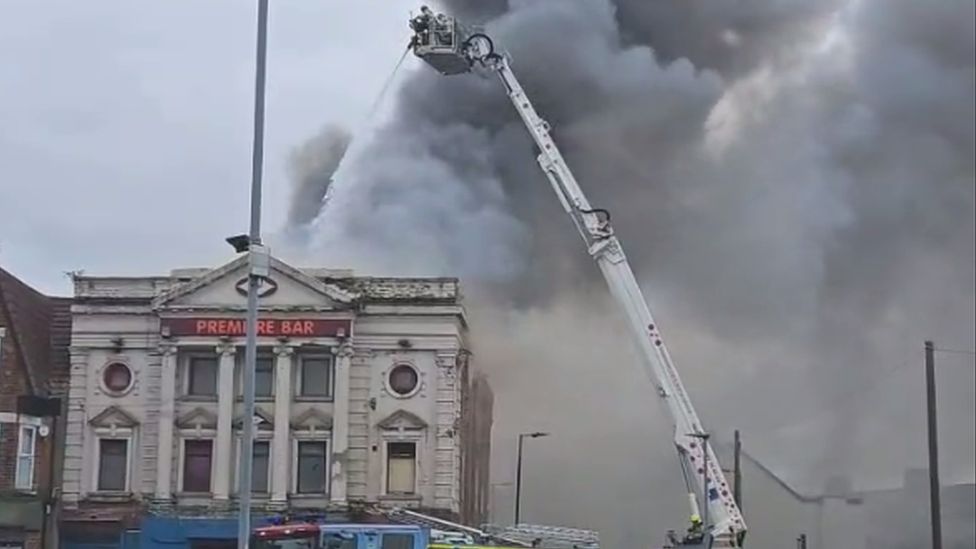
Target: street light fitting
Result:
[241, 242]
[535, 435]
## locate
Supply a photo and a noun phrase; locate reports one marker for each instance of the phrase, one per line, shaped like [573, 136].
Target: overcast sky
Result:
[125, 125]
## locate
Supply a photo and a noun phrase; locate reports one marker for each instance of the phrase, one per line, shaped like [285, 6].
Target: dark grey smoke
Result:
[312, 167]
[794, 182]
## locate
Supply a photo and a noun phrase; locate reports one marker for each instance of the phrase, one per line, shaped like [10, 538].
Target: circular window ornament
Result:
[403, 380]
[117, 377]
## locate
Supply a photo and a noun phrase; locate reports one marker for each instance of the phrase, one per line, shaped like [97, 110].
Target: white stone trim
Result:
[409, 363]
[116, 359]
[223, 448]
[282, 412]
[339, 475]
[166, 420]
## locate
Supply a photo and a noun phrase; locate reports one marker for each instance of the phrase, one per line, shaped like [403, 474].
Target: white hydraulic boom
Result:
[452, 49]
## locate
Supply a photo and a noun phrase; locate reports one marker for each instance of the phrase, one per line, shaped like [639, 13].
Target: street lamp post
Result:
[518, 472]
[258, 267]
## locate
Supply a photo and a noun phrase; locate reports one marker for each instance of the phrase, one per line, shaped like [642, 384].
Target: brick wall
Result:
[13, 380]
[29, 540]
[8, 455]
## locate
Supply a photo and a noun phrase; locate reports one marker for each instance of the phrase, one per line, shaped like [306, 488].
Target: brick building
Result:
[365, 390]
[33, 366]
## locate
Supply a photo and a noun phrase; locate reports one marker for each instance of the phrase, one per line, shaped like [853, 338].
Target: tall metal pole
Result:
[704, 439]
[935, 502]
[518, 481]
[737, 471]
[518, 473]
[254, 281]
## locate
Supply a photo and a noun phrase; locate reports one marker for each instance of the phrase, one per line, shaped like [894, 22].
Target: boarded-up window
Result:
[197, 458]
[401, 467]
[113, 464]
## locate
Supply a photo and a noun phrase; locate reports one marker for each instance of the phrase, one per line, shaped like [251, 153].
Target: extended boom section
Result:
[716, 519]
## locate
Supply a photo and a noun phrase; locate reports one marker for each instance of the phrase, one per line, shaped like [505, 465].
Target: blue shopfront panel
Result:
[189, 533]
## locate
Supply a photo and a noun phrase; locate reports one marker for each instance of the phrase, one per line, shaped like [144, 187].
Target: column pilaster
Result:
[281, 443]
[167, 410]
[340, 423]
[225, 422]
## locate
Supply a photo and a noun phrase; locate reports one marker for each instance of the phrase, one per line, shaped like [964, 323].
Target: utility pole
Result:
[935, 502]
[259, 267]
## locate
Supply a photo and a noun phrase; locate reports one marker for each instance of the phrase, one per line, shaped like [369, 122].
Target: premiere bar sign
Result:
[236, 327]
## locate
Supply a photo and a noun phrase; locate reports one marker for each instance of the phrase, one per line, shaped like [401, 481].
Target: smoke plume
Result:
[794, 184]
[312, 167]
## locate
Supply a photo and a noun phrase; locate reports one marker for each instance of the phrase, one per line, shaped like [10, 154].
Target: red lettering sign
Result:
[235, 327]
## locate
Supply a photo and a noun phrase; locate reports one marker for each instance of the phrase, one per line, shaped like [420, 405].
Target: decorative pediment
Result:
[198, 418]
[262, 420]
[312, 419]
[226, 287]
[114, 417]
[402, 420]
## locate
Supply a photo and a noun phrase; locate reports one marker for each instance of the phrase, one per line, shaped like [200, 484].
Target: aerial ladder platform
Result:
[716, 520]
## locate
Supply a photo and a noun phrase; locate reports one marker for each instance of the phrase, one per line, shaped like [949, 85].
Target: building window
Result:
[261, 457]
[26, 451]
[264, 376]
[202, 376]
[312, 467]
[403, 380]
[398, 541]
[117, 377]
[113, 464]
[315, 377]
[197, 461]
[339, 540]
[401, 467]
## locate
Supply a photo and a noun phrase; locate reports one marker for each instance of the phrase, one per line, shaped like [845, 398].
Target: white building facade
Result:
[364, 393]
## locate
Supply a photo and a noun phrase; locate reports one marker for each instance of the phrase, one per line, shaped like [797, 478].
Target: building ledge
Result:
[18, 495]
[409, 499]
[314, 399]
[109, 497]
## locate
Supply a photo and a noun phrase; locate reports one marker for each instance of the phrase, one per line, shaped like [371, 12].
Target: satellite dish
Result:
[43, 430]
